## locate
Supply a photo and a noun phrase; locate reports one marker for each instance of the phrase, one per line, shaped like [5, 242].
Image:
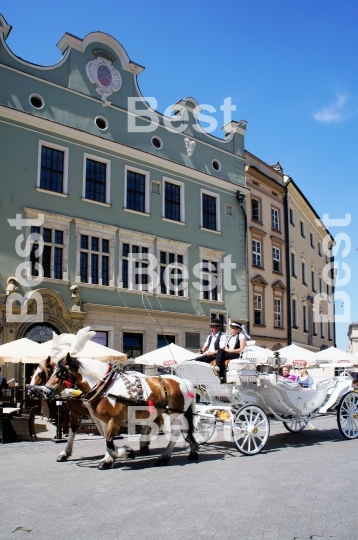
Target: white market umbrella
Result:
[90, 350]
[166, 356]
[255, 352]
[294, 353]
[332, 354]
[16, 351]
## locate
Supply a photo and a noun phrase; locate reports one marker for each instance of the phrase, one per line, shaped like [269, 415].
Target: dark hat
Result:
[236, 325]
[215, 322]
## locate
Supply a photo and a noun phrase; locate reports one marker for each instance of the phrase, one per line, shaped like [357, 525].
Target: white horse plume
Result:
[68, 343]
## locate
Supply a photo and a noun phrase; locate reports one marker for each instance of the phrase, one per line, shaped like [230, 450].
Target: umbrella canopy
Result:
[16, 351]
[166, 356]
[334, 355]
[90, 350]
[254, 352]
[294, 353]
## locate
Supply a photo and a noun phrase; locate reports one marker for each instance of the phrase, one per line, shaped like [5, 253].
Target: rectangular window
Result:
[256, 210]
[304, 276]
[320, 249]
[294, 313]
[135, 267]
[302, 225]
[209, 218]
[258, 309]
[132, 344]
[172, 201]
[164, 340]
[312, 240]
[329, 331]
[171, 274]
[305, 329]
[292, 217]
[276, 255]
[136, 191]
[94, 260]
[293, 265]
[52, 169]
[322, 328]
[320, 285]
[275, 221]
[96, 173]
[278, 312]
[192, 340]
[313, 276]
[314, 329]
[256, 253]
[209, 280]
[51, 258]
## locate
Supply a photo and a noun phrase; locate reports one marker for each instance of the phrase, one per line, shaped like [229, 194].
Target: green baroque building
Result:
[109, 186]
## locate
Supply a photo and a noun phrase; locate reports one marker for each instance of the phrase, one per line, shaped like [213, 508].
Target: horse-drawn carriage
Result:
[257, 394]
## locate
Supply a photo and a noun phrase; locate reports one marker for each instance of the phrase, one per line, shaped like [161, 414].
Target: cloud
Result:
[336, 112]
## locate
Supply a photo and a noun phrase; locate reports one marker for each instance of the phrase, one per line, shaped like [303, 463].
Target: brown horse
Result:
[113, 397]
[76, 406]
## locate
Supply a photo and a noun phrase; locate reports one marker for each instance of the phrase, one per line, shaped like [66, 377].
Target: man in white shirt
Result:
[214, 342]
[234, 347]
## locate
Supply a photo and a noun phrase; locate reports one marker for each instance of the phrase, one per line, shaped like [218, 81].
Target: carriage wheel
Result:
[204, 430]
[295, 424]
[250, 430]
[347, 415]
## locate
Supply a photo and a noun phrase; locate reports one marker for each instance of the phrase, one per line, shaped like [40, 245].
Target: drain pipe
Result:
[241, 198]
[288, 270]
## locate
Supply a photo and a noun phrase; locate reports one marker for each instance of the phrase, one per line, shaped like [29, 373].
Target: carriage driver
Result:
[214, 342]
[234, 347]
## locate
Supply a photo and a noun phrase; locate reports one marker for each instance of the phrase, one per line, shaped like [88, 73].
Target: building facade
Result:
[267, 253]
[116, 216]
[310, 269]
[353, 338]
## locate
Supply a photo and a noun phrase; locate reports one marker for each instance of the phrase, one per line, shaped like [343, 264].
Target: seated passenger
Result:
[304, 380]
[287, 375]
[235, 345]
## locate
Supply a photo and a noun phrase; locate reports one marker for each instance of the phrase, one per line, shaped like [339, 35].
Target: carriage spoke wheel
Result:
[295, 424]
[347, 415]
[250, 430]
[204, 430]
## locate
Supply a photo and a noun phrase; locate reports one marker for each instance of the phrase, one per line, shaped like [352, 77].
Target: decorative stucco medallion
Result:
[107, 78]
[190, 146]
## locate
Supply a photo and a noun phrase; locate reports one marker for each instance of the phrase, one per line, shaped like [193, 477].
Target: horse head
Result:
[66, 375]
[40, 377]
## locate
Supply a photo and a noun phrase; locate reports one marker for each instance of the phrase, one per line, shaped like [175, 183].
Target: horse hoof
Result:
[193, 456]
[61, 458]
[144, 451]
[161, 462]
[103, 466]
[130, 452]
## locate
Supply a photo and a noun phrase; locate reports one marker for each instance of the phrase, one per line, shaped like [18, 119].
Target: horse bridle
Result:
[61, 372]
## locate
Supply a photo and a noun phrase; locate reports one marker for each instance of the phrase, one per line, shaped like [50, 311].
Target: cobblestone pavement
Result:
[301, 487]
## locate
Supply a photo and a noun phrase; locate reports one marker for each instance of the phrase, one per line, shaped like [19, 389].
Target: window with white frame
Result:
[293, 265]
[210, 211]
[275, 219]
[136, 190]
[276, 256]
[173, 200]
[256, 253]
[294, 313]
[172, 259]
[95, 248]
[278, 312]
[210, 274]
[49, 246]
[96, 179]
[305, 325]
[136, 250]
[258, 316]
[52, 172]
[256, 210]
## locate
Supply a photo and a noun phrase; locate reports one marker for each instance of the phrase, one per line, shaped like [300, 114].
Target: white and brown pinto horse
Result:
[112, 403]
[76, 406]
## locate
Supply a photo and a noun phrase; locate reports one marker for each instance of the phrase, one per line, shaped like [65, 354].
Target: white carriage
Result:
[257, 393]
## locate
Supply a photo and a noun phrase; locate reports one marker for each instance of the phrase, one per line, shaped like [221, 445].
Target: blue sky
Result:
[289, 67]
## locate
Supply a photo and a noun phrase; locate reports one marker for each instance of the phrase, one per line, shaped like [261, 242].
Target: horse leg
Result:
[194, 447]
[112, 452]
[175, 431]
[144, 440]
[67, 452]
